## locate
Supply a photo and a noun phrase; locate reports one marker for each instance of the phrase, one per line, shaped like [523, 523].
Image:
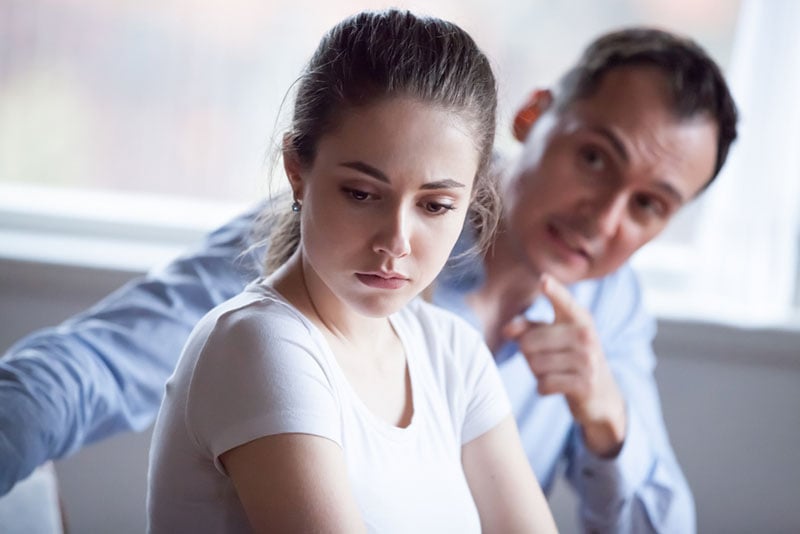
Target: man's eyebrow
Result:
[670, 190]
[360, 166]
[612, 138]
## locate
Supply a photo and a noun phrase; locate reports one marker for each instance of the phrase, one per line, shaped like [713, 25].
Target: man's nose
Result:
[393, 236]
[607, 213]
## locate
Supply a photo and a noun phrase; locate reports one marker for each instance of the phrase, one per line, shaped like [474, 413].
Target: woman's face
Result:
[384, 201]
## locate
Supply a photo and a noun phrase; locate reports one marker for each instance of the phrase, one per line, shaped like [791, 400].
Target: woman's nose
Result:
[393, 236]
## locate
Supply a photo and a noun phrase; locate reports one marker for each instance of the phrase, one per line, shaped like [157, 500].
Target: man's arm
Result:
[103, 371]
[642, 488]
[597, 353]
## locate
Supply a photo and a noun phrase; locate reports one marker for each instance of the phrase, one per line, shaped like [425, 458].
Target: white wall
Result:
[731, 399]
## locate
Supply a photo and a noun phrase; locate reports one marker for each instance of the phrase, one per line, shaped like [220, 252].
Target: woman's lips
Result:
[382, 281]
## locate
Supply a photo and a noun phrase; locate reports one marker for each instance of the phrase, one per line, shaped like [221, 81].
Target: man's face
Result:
[602, 177]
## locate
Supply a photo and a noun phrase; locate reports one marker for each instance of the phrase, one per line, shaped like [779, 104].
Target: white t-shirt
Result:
[254, 366]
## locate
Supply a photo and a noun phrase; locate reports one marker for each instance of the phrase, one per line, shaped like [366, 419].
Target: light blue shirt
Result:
[641, 490]
[103, 372]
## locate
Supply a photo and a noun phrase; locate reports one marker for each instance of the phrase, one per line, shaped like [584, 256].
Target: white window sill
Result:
[133, 232]
[670, 292]
[120, 231]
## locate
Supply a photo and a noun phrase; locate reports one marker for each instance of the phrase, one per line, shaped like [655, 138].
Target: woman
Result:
[326, 397]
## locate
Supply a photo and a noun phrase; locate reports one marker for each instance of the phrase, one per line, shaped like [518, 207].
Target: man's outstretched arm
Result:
[103, 371]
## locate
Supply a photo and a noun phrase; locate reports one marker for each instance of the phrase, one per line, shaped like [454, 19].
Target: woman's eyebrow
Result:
[367, 169]
[442, 184]
[360, 166]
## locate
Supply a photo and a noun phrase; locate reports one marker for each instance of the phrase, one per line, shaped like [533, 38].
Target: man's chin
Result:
[566, 274]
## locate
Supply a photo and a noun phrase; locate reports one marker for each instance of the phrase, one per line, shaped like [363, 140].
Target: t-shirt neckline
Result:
[397, 322]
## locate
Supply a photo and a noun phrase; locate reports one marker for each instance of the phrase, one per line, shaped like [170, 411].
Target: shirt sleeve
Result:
[103, 371]
[258, 373]
[643, 488]
[487, 403]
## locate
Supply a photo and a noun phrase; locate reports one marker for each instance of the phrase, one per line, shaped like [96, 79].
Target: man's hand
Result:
[566, 357]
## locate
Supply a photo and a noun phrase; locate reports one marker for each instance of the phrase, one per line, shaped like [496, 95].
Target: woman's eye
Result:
[356, 194]
[437, 208]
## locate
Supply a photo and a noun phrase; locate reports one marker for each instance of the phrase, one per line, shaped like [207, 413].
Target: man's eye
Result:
[593, 159]
[650, 205]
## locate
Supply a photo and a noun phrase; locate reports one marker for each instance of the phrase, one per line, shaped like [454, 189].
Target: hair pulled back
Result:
[376, 55]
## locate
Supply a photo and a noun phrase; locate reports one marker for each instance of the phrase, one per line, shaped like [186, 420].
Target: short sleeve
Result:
[487, 402]
[258, 373]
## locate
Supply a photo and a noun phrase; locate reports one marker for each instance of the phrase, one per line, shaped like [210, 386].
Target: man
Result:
[636, 130]
[633, 132]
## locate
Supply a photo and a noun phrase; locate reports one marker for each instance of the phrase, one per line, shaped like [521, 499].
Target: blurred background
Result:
[130, 128]
[179, 98]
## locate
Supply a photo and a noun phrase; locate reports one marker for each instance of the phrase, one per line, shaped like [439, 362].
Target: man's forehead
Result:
[630, 98]
[627, 91]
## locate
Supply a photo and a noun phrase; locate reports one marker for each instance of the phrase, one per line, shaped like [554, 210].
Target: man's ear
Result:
[293, 167]
[537, 103]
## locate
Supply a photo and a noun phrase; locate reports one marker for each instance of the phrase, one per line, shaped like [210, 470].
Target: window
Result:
[182, 98]
[738, 263]
[158, 118]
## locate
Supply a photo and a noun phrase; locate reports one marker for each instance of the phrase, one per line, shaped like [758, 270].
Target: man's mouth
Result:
[569, 241]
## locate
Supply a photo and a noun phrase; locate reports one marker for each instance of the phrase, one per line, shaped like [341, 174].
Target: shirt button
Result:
[587, 472]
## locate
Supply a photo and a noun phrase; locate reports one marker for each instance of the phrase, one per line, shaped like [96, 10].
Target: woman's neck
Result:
[302, 287]
[368, 350]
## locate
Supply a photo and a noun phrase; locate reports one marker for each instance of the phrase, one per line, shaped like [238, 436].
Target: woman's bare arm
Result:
[294, 483]
[502, 483]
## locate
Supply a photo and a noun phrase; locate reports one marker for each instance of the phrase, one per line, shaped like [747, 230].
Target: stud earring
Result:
[296, 206]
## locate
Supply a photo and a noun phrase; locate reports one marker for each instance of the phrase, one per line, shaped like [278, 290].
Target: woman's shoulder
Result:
[253, 317]
[254, 337]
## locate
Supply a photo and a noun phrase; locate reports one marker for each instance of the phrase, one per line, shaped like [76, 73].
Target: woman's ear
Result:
[293, 167]
[534, 107]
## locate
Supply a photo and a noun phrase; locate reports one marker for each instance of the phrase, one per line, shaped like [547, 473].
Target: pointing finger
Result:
[564, 305]
[517, 326]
